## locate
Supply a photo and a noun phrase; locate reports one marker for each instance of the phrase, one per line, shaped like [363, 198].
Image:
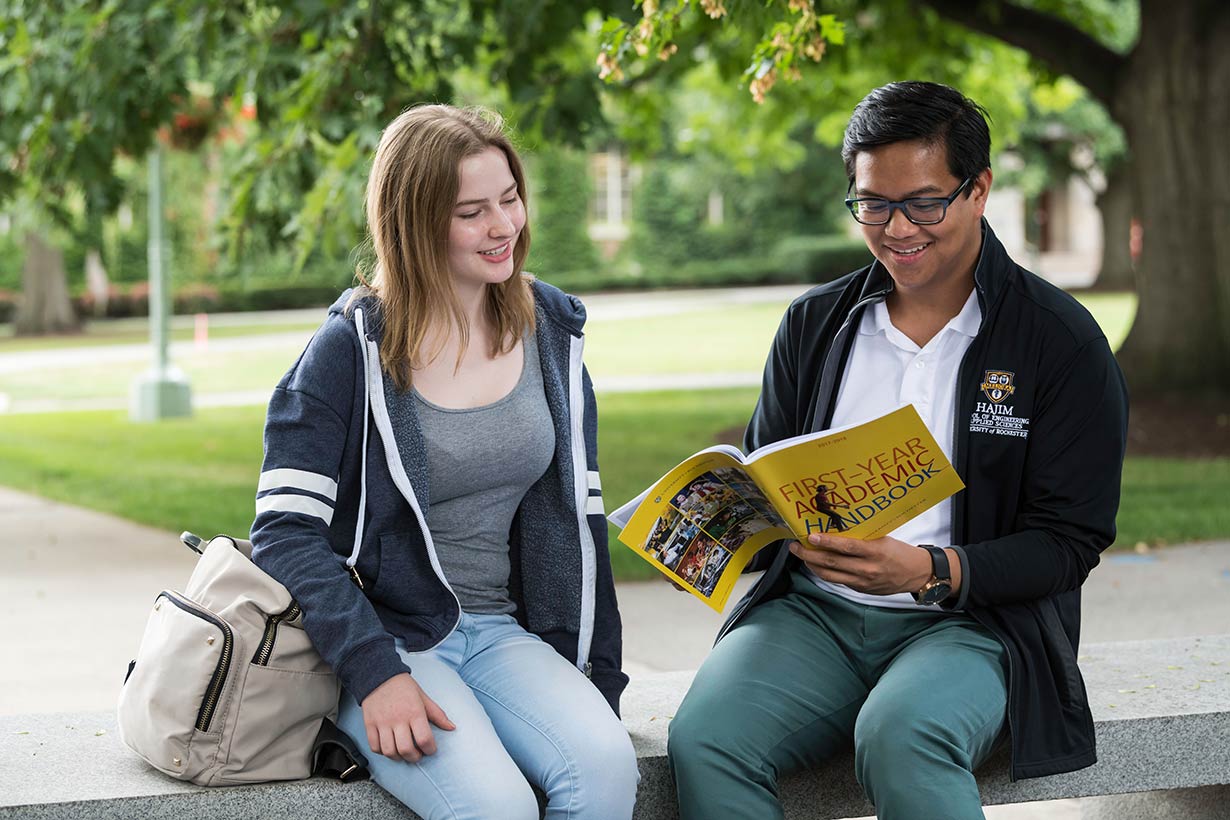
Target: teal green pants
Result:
[922, 696]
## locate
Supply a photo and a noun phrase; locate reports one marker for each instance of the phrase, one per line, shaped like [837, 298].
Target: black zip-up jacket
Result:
[1040, 449]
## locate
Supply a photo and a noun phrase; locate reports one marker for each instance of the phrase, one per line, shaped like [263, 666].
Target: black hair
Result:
[915, 110]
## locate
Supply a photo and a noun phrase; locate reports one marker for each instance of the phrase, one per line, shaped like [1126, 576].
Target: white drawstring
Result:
[358, 524]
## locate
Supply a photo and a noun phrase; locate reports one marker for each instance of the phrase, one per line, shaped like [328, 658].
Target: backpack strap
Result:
[335, 755]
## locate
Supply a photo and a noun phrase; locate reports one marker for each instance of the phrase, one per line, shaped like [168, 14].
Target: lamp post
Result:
[162, 391]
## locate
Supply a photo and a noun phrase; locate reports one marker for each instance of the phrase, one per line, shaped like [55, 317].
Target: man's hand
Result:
[398, 716]
[879, 567]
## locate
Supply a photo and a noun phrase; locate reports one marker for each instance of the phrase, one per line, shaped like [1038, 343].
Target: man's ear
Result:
[982, 189]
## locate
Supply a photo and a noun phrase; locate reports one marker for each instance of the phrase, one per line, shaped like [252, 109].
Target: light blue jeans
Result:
[523, 715]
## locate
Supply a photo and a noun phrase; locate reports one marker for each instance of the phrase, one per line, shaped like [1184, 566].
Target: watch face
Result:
[936, 593]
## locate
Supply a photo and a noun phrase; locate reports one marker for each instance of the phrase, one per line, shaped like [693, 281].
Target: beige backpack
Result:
[226, 687]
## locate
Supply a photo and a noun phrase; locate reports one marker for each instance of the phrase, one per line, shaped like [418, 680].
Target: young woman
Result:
[430, 497]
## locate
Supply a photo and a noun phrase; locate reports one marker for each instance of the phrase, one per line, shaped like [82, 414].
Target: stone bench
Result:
[1162, 711]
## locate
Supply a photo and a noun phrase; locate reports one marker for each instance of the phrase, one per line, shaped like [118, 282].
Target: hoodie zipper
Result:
[265, 649]
[397, 472]
[209, 703]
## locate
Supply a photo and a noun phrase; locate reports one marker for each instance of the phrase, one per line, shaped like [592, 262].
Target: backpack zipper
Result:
[218, 680]
[265, 650]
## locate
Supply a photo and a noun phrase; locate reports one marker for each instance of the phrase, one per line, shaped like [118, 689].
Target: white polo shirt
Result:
[886, 370]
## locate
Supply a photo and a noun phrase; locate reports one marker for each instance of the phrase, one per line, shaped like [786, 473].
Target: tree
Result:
[326, 77]
[1167, 93]
[696, 104]
[83, 82]
[1164, 90]
[559, 211]
[1118, 209]
[1068, 134]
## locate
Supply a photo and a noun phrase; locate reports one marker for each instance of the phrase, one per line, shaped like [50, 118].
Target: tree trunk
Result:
[1173, 104]
[45, 306]
[1116, 208]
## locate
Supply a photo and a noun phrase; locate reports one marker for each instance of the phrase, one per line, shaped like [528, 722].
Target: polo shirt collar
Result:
[966, 322]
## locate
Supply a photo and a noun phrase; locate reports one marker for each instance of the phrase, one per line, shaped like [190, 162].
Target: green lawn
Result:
[729, 339]
[200, 474]
[1113, 311]
[130, 331]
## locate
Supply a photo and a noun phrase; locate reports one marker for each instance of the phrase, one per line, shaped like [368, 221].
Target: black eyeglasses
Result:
[921, 210]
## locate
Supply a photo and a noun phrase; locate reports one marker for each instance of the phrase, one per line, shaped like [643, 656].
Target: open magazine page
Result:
[701, 523]
[864, 481]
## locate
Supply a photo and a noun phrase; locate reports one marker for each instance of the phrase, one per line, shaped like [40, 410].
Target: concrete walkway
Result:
[599, 306]
[77, 586]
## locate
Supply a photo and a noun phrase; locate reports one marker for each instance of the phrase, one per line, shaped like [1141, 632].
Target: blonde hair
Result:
[411, 194]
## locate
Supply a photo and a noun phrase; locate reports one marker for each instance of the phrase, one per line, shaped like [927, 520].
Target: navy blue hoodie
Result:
[343, 495]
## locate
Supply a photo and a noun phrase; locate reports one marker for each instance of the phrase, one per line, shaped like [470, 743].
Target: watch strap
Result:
[939, 585]
[940, 568]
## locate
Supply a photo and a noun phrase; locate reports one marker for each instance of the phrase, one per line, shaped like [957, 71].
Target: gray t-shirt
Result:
[481, 461]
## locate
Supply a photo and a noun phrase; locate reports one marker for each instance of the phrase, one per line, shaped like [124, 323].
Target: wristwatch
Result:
[939, 586]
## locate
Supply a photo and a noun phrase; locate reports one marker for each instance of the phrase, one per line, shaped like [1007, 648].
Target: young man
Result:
[926, 647]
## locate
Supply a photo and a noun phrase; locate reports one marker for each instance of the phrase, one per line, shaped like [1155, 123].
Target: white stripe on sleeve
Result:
[594, 506]
[298, 480]
[295, 504]
[595, 481]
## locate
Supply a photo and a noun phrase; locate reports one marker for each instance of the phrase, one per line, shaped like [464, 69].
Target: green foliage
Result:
[671, 231]
[82, 82]
[85, 81]
[11, 256]
[1067, 133]
[667, 215]
[795, 260]
[276, 297]
[327, 77]
[1116, 23]
[789, 32]
[559, 213]
[702, 93]
[821, 258]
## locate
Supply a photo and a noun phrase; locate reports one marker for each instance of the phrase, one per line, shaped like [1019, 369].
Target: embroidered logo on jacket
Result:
[997, 385]
[996, 417]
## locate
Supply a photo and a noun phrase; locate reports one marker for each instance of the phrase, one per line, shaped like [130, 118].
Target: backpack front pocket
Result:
[176, 690]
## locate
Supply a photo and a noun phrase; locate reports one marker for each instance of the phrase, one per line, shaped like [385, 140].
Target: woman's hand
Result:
[398, 716]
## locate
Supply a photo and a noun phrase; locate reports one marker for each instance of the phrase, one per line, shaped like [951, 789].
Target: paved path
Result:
[600, 307]
[76, 586]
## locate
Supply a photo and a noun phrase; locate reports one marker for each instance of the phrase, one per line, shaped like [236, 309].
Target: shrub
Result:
[819, 258]
[276, 297]
[123, 301]
[800, 259]
[667, 216]
[561, 193]
[196, 298]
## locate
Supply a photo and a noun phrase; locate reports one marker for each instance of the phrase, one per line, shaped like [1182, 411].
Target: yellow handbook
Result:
[704, 520]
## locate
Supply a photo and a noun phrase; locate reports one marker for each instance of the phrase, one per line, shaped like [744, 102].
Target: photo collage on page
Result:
[704, 524]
